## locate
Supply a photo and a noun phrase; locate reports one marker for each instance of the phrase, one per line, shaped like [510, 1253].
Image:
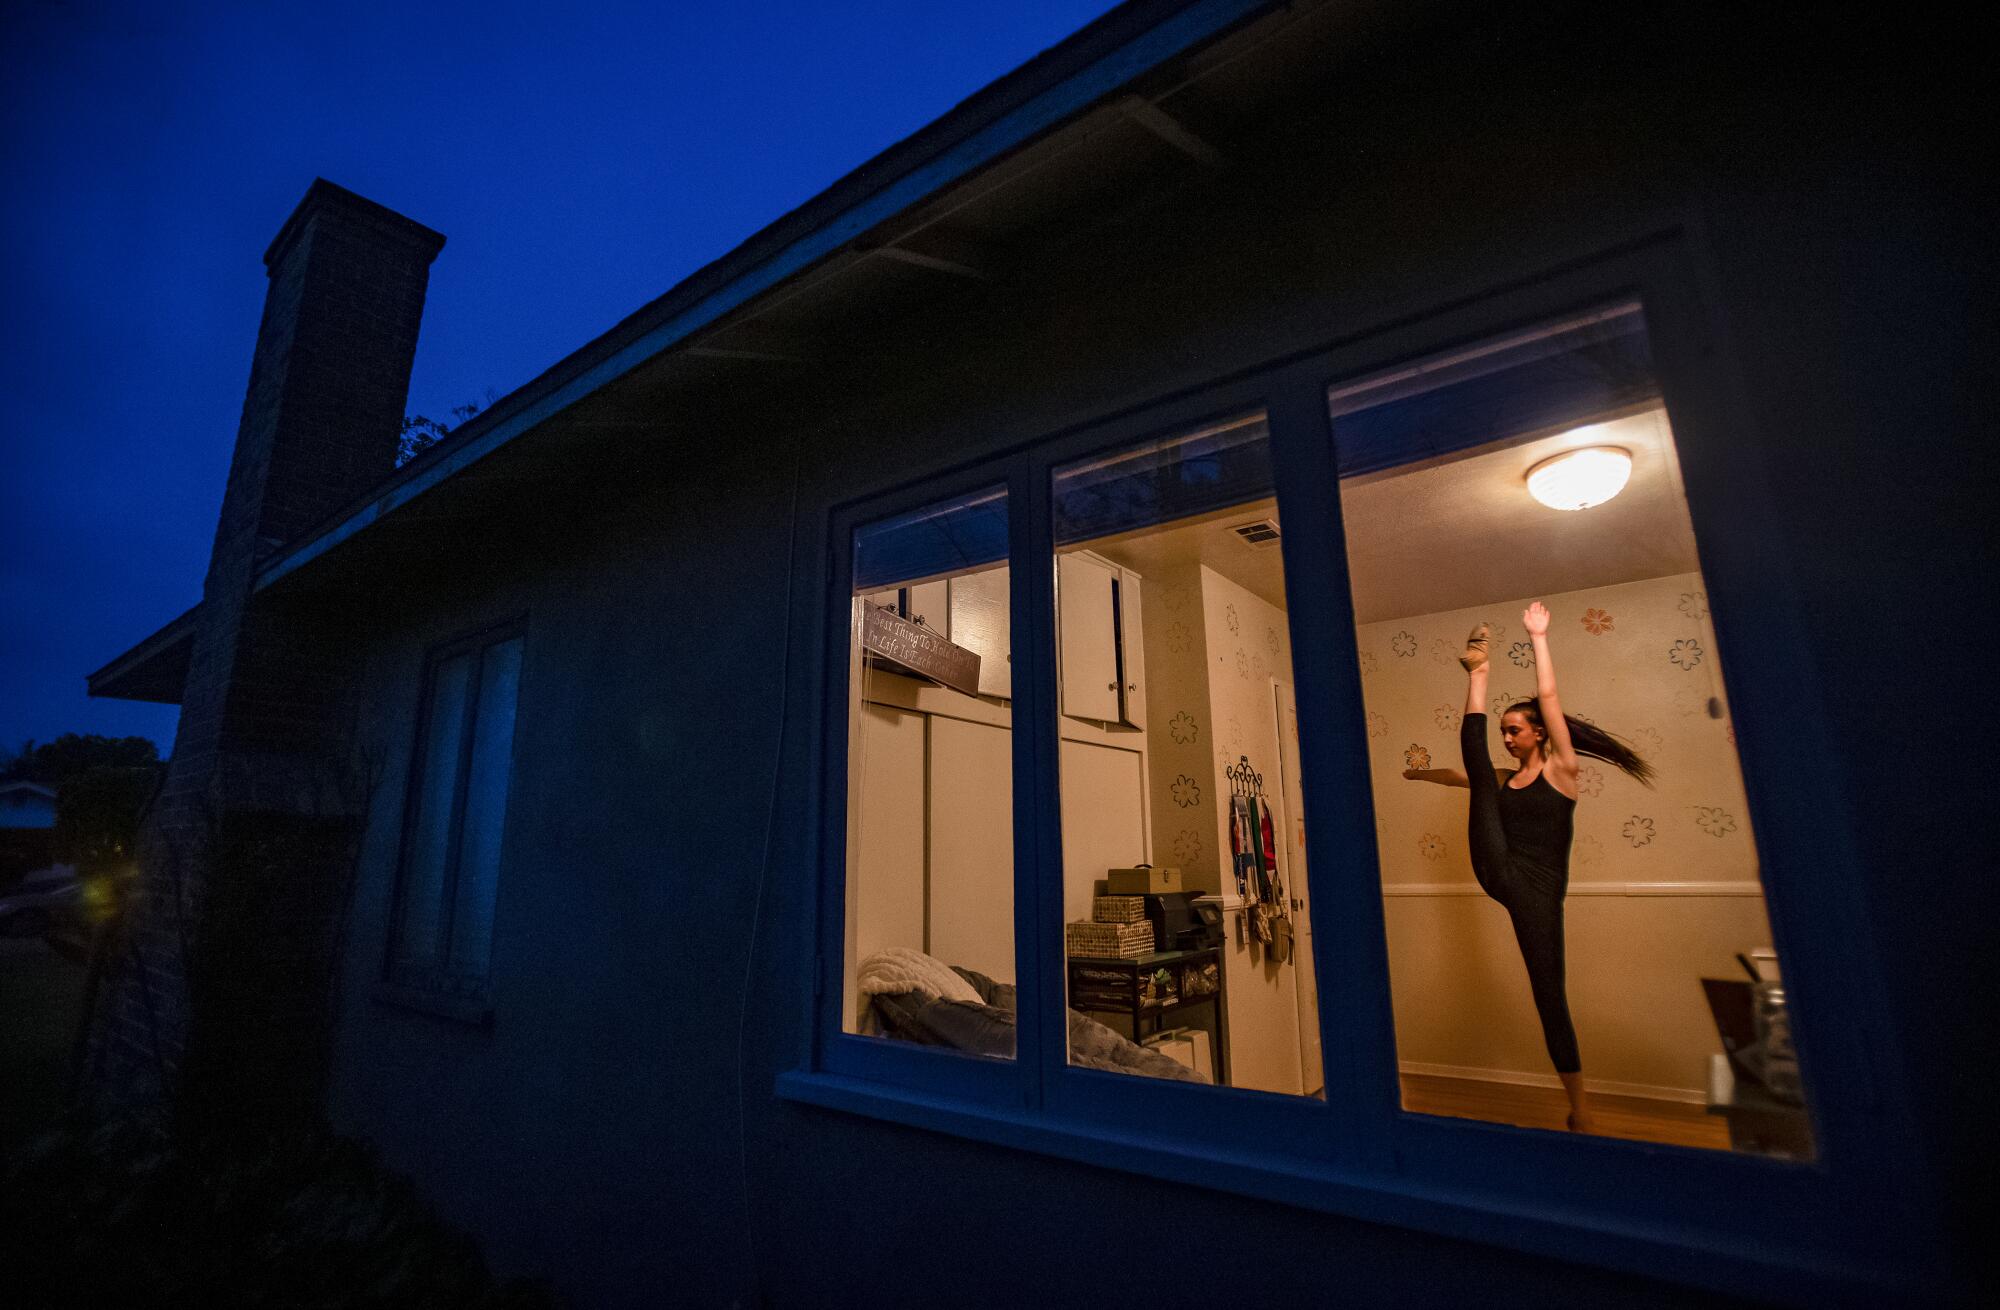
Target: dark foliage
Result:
[261, 965]
[98, 811]
[54, 762]
[116, 1214]
[421, 432]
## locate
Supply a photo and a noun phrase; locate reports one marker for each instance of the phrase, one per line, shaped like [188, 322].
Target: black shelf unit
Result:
[1093, 993]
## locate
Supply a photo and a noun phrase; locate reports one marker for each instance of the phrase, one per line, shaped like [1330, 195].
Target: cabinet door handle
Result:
[1111, 686]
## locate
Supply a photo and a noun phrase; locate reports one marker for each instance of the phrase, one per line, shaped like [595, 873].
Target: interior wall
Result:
[1182, 782]
[1248, 643]
[1663, 881]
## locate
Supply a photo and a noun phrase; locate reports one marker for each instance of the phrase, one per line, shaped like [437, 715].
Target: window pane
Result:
[1556, 918]
[1185, 905]
[430, 831]
[485, 809]
[930, 815]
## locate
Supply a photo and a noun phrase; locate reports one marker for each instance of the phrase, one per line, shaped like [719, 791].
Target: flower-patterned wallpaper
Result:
[1239, 686]
[1637, 659]
[1211, 649]
[1180, 765]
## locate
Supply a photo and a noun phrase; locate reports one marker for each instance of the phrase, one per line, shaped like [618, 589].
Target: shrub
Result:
[116, 1213]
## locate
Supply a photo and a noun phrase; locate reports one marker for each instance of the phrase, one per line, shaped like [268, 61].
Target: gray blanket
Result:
[987, 1028]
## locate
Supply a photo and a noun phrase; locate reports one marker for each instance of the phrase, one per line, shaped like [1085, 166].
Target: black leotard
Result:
[1520, 840]
[1539, 822]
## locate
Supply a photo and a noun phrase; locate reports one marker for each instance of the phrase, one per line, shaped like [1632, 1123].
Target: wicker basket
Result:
[1118, 909]
[1122, 941]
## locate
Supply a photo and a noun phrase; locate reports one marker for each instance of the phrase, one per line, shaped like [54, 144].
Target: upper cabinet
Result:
[1099, 644]
[981, 620]
[972, 611]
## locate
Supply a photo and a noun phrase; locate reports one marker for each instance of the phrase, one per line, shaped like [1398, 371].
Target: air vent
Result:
[1262, 534]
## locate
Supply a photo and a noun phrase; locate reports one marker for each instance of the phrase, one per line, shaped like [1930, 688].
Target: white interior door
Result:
[1298, 886]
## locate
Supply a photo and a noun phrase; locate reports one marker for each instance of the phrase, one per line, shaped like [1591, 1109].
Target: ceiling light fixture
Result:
[1579, 479]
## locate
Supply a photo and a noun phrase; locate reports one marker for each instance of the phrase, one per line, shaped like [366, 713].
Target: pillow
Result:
[900, 969]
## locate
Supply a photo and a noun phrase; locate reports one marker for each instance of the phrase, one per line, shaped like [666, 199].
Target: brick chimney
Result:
[321, 425]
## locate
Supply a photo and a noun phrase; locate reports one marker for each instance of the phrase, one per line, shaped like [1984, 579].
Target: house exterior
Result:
[27, 826]
[552, 725]
[25, 805]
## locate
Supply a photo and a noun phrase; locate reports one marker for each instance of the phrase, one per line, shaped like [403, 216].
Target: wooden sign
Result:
[918, 649]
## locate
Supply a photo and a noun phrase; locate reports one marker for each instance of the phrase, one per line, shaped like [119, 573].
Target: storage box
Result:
[1119, 941]
[1186, 1046]
[1144, 881]
[1118, 909]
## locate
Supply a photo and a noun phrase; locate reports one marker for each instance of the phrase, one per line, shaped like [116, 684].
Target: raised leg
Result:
[1486, 839]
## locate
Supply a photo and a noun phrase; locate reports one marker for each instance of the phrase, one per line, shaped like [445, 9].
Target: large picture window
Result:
[1158, 839]
[443, 934]
[1576, 924]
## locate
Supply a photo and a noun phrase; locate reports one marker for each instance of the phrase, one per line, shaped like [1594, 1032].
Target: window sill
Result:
[1715, 1260]
[475, 1013]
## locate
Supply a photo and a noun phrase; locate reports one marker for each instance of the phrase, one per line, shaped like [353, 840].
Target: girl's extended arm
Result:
[1561, 751]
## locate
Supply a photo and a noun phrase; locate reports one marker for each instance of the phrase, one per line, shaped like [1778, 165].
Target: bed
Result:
[915, 998]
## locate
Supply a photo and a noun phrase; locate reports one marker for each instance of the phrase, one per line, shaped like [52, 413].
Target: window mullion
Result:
[1042, 1032]
[461, 782]
[1356, 1027]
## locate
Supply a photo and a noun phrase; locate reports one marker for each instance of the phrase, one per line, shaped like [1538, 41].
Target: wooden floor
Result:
[1635, 1118]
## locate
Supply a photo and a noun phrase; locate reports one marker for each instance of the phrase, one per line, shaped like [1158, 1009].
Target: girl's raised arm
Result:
[1562, 752]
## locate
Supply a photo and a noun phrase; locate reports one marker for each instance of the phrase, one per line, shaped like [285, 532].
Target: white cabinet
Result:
[1088, 627]
[970, 846]
[929, 604]
[1131, 651]
[1100, 648]
[981, 621]
[1104, 815]
[973, 611]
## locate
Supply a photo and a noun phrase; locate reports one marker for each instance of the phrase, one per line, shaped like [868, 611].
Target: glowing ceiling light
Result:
[1579, 479]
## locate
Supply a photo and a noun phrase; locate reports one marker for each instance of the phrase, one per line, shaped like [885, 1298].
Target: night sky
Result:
[580, 160]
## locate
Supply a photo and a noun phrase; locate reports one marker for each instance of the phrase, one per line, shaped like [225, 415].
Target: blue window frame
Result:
[1786, 1229]
[441, 934]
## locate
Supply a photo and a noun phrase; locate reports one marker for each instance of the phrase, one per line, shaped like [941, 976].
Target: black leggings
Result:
[1531, 894]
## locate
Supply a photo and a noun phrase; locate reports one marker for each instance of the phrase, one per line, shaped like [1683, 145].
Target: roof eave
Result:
[153, 670]
[1039, 96]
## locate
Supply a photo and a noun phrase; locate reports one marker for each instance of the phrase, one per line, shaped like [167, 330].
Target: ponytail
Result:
[1589, 739]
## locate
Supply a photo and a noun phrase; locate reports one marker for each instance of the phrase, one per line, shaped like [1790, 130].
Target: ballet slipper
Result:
[1474, 658]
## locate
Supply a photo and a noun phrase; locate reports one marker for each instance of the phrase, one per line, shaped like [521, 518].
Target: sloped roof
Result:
[982, 137]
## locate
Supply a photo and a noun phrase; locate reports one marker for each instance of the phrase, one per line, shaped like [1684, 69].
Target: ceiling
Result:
[1461, 530]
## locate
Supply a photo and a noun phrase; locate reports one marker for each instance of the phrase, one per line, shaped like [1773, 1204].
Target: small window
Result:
[458, 808]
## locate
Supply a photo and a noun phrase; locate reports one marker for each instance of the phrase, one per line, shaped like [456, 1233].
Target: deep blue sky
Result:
[580, 159]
